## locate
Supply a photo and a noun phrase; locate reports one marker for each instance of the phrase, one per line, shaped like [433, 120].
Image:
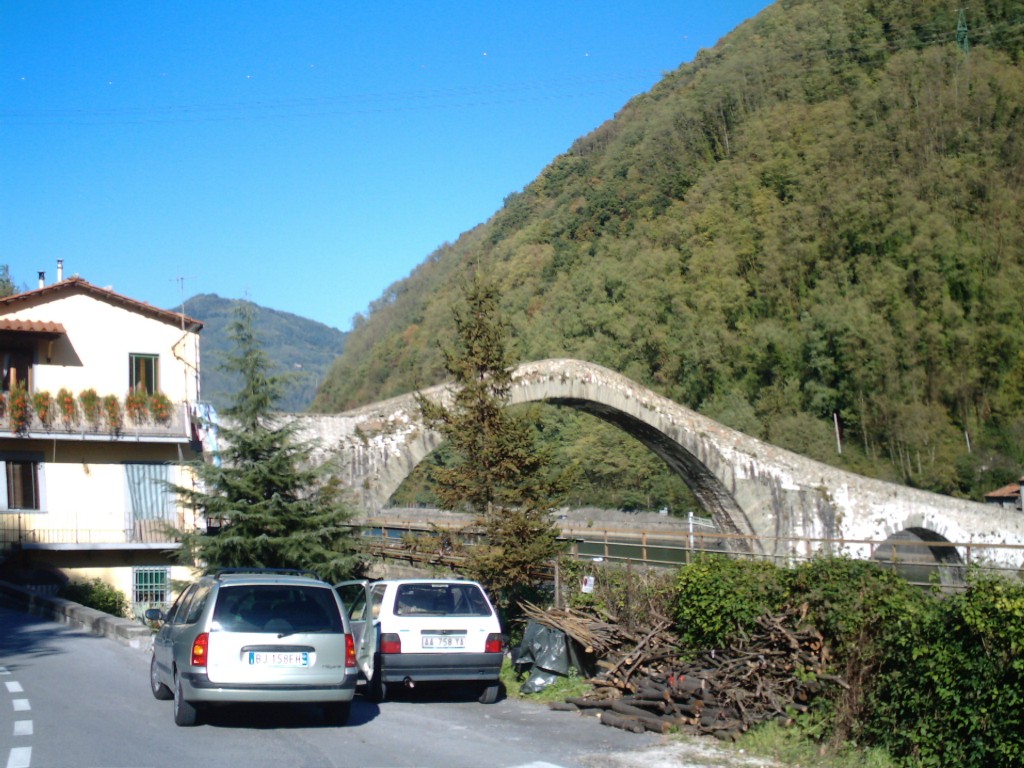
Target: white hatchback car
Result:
[424, 630]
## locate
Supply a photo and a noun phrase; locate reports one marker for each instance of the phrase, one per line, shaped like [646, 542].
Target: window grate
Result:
[151, 586]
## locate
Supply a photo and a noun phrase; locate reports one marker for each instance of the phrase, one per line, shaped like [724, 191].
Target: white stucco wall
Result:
[95, 350]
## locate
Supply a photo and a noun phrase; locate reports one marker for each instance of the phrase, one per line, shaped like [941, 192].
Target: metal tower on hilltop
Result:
[961, 33]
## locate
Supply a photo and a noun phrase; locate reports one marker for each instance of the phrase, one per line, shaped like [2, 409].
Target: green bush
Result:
[630, 597]
[931, 679]
[864, 613]
[718, 596]
[97, 594]
[950, 690]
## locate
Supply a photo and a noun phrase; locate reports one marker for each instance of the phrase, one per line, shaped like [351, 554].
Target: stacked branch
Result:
[648, 683]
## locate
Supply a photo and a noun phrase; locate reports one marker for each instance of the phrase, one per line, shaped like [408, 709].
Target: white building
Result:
[85, 489]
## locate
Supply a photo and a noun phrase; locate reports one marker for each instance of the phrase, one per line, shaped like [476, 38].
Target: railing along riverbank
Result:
[921, 562]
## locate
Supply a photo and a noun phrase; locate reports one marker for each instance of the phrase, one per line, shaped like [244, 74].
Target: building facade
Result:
[99, 410]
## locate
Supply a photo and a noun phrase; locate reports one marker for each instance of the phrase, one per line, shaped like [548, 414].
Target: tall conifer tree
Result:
[279, 508]
[499, 473]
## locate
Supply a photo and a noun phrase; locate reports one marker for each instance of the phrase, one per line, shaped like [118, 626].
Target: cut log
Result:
[616, 720]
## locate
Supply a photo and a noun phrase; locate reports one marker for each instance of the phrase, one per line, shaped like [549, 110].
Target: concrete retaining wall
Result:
[62, 611]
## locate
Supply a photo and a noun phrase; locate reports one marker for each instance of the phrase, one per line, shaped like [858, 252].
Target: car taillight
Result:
[350, 651]
[390, 643]
[495, 643]
[199, 648]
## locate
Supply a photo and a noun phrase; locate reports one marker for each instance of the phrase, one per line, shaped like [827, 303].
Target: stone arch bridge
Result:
[748, 486]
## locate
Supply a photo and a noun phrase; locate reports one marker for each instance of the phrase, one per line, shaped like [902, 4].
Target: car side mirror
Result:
[154, 614]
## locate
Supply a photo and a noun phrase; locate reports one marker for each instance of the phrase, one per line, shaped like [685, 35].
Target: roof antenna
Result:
[181, 287]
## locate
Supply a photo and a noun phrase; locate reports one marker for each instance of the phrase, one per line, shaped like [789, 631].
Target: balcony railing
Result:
[16, 530]
[177, 426]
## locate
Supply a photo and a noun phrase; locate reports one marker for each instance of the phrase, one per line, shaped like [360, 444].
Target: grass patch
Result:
[790, 746]
[561, 689]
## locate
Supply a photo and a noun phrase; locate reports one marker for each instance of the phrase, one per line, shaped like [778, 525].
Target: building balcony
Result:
[18, 531]
[180, 426]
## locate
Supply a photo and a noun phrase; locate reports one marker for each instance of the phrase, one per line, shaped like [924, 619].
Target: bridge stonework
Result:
[748, 486]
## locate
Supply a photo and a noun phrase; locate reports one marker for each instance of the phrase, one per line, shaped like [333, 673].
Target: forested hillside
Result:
[302, 350]
[819, 221]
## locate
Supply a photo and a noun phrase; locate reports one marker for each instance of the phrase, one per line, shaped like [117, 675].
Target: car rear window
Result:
[439, 599]
[277, 608]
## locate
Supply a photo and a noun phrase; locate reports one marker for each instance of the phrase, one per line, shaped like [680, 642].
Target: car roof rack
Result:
[266, 571]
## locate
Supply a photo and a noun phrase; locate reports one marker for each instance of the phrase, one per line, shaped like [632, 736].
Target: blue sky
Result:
[303, 155]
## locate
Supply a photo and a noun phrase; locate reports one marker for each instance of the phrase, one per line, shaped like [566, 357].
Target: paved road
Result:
[71, 700]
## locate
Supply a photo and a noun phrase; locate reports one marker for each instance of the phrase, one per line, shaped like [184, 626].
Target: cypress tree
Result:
[499, 472]
[278, 507]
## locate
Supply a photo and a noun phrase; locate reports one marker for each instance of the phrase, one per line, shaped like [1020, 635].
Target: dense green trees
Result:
[818, 221]
[278, 508]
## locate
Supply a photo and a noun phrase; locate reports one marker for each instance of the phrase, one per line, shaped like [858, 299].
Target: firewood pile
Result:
[646, 682]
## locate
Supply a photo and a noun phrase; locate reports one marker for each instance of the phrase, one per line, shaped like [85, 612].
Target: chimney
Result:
[60, 270]
[42, 279]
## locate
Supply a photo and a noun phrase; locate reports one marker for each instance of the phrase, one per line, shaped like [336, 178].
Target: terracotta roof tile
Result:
[1010, 491]
[32, 326]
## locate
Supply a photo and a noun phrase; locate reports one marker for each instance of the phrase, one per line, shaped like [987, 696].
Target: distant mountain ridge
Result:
[302, 349]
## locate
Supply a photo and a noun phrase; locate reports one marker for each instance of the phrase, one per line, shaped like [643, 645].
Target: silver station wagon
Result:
[254, 636]
[425, 630]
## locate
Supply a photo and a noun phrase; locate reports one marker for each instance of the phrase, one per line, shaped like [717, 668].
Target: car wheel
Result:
[337, 712]
[160, 691]
[378, 688]
[490, 693]
[184, 712]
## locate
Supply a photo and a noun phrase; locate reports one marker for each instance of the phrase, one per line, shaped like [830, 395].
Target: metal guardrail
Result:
[921, 562]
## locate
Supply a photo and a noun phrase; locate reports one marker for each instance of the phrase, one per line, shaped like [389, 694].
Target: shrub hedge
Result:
[934, 678]
[97, 594]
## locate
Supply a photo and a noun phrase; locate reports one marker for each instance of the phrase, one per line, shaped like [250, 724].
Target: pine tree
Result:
[279, 509]
[499, 473]
[6, 283]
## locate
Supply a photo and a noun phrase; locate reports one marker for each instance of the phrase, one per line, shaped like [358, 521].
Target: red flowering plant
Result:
[160, 407]
[112, 412]
[136, 405]
[43, 403]
[19, 410]
[92, 408]
[67, 407]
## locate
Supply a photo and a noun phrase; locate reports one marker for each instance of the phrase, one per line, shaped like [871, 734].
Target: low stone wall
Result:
[62, 611]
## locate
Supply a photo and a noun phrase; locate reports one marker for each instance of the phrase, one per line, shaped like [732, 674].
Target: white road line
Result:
[22, 727]
[20, 757]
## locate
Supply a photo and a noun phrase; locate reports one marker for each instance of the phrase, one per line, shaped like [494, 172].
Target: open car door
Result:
[356, 597]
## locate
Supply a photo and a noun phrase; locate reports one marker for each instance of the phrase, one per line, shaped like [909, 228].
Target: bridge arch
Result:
[748, 486]
[919, 554]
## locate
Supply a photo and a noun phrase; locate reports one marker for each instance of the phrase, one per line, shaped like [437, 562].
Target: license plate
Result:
[275, 659]
[443, 641]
